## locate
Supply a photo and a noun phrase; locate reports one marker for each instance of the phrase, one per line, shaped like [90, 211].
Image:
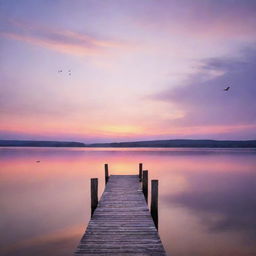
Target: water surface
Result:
[207, 197]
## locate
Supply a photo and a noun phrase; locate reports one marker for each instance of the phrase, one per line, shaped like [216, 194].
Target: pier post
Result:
[154, 202]
[106, 173]
[94, 194]
[145, 184]
[140, 171]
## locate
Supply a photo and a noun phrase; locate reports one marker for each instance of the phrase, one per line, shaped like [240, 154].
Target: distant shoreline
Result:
[137, 144]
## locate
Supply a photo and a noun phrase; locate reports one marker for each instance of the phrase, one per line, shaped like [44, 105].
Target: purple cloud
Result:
[204, 100]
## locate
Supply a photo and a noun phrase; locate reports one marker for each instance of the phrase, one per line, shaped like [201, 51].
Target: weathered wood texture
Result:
[94, 194]
[145, 184]
[154, 201]
[106, 173]
[121, 224]
[140, 171]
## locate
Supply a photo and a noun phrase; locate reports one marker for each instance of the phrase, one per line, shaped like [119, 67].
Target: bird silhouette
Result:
[226, 89]
[69, 71]
[38, 161]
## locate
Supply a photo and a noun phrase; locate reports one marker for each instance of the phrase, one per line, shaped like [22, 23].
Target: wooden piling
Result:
[106, 173]
[94, 194]
[145, 184]
[140, 171]
[154, 202]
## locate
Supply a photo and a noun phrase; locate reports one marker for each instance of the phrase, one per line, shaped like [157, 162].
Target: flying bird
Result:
[69, 71]
[226, 89]
[38, 161]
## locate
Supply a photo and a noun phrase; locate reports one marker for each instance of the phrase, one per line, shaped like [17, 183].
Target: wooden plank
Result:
[121, 224]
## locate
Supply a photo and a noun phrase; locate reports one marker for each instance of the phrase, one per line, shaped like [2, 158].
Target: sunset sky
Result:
[140, 69]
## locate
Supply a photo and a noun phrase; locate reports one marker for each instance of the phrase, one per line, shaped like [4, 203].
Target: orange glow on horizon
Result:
[120, 131]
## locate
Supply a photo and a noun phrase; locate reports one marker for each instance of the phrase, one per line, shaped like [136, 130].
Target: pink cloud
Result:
[64, 41]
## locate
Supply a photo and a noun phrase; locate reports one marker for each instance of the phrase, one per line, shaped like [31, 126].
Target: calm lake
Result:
[207, 197]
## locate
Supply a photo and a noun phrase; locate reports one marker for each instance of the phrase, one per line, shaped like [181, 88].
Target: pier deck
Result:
[121, 223]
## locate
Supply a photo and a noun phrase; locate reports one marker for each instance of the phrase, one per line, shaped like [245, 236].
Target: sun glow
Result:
[121, 130]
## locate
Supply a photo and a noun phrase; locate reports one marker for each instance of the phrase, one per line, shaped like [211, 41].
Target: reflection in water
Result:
[232, 197]
[207, 197]
[57, 243]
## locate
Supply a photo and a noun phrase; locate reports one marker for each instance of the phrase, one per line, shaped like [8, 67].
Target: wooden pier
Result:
[121, 224]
